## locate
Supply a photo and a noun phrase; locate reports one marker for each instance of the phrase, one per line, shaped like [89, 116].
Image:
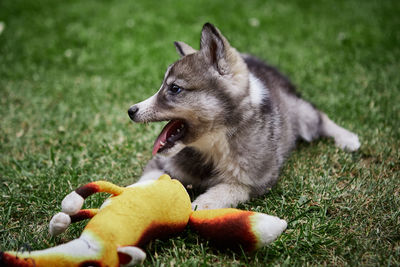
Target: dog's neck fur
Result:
[216, 146]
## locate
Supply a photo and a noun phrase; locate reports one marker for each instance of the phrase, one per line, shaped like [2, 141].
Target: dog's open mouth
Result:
[172, 132]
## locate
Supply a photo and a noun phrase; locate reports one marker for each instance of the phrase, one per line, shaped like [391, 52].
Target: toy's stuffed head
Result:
[135, 215]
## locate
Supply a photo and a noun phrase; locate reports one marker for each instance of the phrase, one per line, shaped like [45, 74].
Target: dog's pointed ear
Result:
[216, 48]
[184, 49]
[225, 59]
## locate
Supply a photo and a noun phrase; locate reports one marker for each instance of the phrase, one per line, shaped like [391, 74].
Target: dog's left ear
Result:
[184, 49]
[218, 50]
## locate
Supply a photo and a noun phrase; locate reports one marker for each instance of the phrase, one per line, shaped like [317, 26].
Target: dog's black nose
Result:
[132, 112]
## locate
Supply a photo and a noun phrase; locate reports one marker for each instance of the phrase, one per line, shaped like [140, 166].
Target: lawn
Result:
[69, 70]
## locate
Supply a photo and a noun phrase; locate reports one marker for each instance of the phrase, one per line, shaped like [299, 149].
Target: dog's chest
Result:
[228, 164]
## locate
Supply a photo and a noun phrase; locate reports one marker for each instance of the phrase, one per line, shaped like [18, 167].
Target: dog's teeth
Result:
[162, 143]
[179, 130]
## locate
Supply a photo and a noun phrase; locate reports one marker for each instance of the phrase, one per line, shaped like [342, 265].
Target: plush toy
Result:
[137, 214]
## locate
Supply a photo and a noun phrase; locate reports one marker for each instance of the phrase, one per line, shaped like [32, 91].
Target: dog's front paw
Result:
[202, 203]
[59, 223]
[199, 206]
[348, 141]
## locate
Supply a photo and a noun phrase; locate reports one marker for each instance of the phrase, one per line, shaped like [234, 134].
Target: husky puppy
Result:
[232, 122]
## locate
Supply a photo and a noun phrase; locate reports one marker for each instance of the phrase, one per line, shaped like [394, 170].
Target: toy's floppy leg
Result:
[233, 227]
[73, 202]
[60, 222]
[130, 255]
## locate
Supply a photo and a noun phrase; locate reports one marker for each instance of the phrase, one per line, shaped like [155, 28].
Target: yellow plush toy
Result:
[137, 214]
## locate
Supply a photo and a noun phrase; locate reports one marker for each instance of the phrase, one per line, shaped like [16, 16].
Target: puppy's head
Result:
[199, 94]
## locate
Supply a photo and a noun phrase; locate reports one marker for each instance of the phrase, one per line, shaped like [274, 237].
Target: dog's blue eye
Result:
[174, 89]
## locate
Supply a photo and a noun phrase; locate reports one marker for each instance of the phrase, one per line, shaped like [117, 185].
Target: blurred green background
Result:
[69, 70]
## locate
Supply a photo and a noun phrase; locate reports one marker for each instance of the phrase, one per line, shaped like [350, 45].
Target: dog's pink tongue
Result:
[165, 133]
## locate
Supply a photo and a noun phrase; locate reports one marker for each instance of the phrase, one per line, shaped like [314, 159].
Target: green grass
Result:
[69, 70]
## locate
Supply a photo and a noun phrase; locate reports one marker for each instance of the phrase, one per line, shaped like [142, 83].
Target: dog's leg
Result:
[152, 171]
[343, 138]
[222, 196]
[151, 175]
[312, 124]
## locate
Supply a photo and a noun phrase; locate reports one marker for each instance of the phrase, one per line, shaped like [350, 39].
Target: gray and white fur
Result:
[241, 116]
